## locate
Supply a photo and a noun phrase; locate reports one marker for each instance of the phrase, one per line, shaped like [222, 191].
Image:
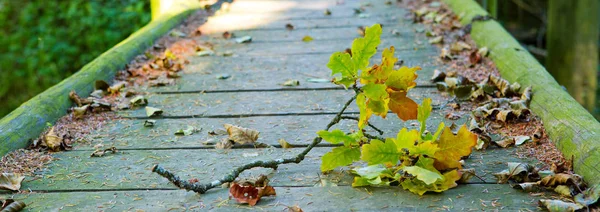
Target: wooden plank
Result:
[341, 198]
[346, 32]
[301, 48]
[270, 72]
[297, 130]
[314, 8]
[252, 103]
[216, 25]
[572, 128]
[130, 169]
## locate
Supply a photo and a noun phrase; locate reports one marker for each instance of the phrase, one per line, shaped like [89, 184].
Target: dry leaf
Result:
[251, 192]
[11, 181]
[225, 143]
[284, 144]
[102, 152]
[75, 98]
[52, 140]
[241, 135]
[10, 205]
[289, 26]
[152, 111]
[307, 39]
[227, 35]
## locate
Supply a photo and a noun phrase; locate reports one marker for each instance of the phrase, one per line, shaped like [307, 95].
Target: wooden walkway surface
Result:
[253, 97]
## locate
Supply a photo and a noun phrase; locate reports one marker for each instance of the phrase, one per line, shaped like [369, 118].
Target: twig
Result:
[369, 136]
[202, 188]
[370, 125]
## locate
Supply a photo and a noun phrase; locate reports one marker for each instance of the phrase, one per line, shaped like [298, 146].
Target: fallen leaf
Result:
[177, 33]
[241, 135]
[438, 39]
[521, 139]
[289, 26]
[291, 83]
[559, 205]
[361, 31]
[223, 76]
[152, 111]
[10, 205]
[115, 88]
[327, 12]
[250, 193]
[138, 101]
[225, 143]
[79, 112]
[75, 98]
[453, 147]
[149, 123]
[102, 152]
[244, 39]
[459, 46]
[206, 52]
[307, 39]
[588, 197]
[227, 35]
[11, 181]
[188, 131]
[284, 144]
[52, 140]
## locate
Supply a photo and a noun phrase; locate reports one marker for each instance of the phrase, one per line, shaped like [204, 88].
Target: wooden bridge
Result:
[242, 84]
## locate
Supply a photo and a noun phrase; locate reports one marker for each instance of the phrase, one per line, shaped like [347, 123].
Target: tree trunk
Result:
[572, 47]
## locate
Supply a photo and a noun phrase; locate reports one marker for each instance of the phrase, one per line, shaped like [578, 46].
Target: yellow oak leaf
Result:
[403, 79]
[404, 107]
[453, 147]
[378, 74]
[406, 139]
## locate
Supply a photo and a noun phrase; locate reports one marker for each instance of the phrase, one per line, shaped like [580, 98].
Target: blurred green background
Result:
[44, 41]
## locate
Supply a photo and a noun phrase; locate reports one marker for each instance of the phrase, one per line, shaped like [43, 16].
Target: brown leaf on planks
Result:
[11, 181]
[241, 135]
[251, 193]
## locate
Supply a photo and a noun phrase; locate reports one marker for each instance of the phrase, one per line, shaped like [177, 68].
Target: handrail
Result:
[29, 120]
[571, 127]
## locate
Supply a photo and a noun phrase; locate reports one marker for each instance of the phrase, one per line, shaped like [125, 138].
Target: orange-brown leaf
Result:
[404, 107]
[249, 194]
[453, 147]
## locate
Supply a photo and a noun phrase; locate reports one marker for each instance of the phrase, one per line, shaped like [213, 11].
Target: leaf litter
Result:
[502, 110]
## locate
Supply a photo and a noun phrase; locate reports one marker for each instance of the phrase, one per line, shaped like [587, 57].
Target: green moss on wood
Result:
[574, 130]
[29, 120]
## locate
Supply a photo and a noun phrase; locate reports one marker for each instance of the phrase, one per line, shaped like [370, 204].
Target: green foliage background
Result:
[44, 41]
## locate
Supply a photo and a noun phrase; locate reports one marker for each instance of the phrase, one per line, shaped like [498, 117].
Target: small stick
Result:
[370, 125]
[202, 188]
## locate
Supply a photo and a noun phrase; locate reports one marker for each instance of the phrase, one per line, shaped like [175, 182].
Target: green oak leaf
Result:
[363, 119]
[364, 48]
[341, 63]
[336, 136]
[339, 156]
[423, 174]
[375, 91]
[423, 113]
[378, 152]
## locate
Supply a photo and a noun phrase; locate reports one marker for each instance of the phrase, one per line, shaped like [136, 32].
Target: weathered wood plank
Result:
[347, 32]
[270, 72]
[216, 25]
[297, 130]
[130, 169]
[462, 198]
[300, 48]
[275, 103]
